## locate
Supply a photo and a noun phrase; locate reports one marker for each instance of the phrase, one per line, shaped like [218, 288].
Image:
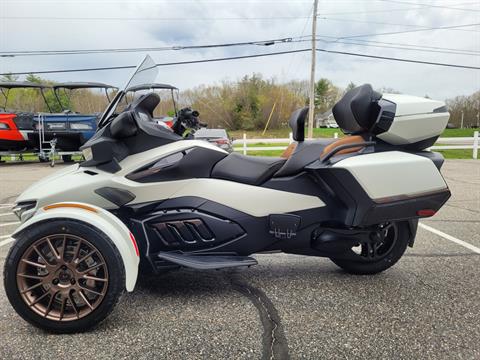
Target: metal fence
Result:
[452, 143]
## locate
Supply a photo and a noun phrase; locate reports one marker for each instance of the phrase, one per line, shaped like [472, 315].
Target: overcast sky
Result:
[97, 24]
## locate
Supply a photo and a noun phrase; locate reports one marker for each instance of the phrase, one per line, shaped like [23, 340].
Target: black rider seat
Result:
[304, 153]
[252, 170]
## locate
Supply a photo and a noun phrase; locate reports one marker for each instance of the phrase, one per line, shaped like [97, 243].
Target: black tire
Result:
[394, 253]
[43, 159]
[67, 158]
[109, 252]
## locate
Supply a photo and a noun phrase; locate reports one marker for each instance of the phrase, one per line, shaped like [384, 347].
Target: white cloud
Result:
[56, 31]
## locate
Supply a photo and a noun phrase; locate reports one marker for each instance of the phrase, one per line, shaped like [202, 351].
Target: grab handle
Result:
[346, 146]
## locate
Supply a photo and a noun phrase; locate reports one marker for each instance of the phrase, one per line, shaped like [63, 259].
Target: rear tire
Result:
[79, 290]
[395, 251]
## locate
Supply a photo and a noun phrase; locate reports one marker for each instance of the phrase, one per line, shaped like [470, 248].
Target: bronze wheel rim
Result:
[62, 277]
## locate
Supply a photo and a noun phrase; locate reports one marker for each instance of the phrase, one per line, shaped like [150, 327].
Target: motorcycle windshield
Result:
[145, 73]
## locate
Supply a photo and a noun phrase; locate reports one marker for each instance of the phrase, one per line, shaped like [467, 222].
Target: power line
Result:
[144, 49]
[247, 57]
[402, 44]
[269, 42]
[432, 6]
[71, 70]
[404, 48]
[372, 11]
[387, 23]
[122, 18]
[161, 64]
[417, 7]
[400, 59]
[410, 31]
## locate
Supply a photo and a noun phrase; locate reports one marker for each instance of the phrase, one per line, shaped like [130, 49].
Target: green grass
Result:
[281, 133]
[448, 154]
[456, 153]
[264, 145]
[324, 132]
[275, 153]
[459, 132]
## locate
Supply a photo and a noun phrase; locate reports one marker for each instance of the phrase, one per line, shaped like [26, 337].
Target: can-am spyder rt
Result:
[148, 198]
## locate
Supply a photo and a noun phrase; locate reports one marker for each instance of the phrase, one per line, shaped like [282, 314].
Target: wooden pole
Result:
[269, 118]
[311, 104]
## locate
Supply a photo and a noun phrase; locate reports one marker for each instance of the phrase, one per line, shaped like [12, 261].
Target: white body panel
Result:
[105, 222]
[136, 161]
[73, 184]
[253, 200]
[414, 119]
[394, 173]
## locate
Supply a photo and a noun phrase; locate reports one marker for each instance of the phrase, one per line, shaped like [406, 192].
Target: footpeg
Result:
[207, 262]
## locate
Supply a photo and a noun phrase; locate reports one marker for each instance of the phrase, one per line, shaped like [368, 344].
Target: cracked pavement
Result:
[288, 306]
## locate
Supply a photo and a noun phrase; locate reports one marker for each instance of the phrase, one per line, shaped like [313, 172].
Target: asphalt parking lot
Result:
[427, 306]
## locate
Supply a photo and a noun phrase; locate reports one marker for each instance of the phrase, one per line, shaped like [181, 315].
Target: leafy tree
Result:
[34, 79]
[350, 86]
[9, 77]
[469, 106]
[50, 97]
[326, 95]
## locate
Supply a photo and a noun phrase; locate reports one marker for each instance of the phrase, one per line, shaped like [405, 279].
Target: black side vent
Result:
[192, 231]
[188, 229]
[119, 197]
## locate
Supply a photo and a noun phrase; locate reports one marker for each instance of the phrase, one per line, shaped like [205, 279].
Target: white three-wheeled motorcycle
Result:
[149, 198]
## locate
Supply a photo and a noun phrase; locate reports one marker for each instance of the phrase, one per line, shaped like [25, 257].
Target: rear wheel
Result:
[374, 257]
[63, 276]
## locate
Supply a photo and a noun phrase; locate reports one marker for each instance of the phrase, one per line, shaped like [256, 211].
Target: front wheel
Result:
[371, 258]
[63, 276]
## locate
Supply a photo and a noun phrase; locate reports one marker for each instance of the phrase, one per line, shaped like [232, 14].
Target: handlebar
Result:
[187, 119]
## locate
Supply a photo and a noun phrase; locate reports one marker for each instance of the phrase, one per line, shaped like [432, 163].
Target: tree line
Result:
[247, 104]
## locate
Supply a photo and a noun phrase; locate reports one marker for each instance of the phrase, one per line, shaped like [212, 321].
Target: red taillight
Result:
[221, 141]
[134, 242]
[426, 212]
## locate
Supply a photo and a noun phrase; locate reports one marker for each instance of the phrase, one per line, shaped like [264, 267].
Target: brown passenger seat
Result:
[289, 151]
[353, 139]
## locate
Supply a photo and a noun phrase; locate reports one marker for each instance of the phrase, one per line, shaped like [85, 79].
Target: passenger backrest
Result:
[357, 111]
[297, 123]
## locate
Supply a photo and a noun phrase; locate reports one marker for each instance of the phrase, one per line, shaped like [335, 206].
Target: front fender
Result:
[104, 221]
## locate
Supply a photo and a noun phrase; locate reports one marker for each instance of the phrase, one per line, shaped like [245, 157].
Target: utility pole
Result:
[461, 122]
[478, 113]
[311, 103]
